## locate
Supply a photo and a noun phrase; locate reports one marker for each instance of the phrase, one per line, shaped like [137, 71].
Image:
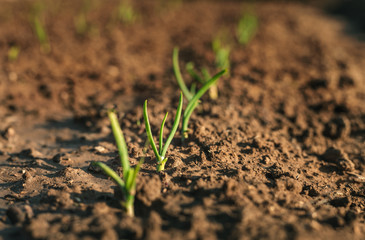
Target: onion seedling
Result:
[83, 26]
[247, 28]
[125, 12]
[13, 53]
[161, 152]
[39, 29]
[222, 52]
[128, 182]
[192, 96]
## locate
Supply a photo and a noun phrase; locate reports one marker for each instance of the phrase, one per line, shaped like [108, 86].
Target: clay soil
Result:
[280, 154]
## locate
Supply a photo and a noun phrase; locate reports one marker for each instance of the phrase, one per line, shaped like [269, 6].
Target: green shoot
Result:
[191, 95]
[39, 28]
[179, 78]
[126, 12]
[81, 22]
[222, 52]
[161, 152]
[247, 28]
[193, 103]
[128, 182]
[13, 53]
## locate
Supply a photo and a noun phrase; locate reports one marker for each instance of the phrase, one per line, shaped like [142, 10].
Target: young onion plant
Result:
[247, 28]
[192, 95]
[127, 182]
[125, 12]
[161, 152]
[13, 53]
[39, 28]
[222, 52]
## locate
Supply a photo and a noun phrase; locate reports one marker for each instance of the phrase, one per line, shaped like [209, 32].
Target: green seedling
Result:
[161, 152]
[126, 12]
[38, 27]
[222, 52]
[13, 53]
[82, 25]
[41, 34]
[221, 62]
[247, 28]
[127, 183]
[191, 95]
[213, 90]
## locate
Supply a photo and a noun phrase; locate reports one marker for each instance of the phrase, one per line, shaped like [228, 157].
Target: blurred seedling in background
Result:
[247, 27]
[37, 17]
[162, 148]
[82, 25]
[222, 50]
[13, 53]
[191, 95]
[125, 12]
[127, 183]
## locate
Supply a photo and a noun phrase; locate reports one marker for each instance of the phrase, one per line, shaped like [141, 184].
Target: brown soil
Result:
[280, 155]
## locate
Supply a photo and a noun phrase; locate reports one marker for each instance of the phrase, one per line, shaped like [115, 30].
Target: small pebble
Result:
[9, 133]
[13, 77]
[113, 71]
[100, 149]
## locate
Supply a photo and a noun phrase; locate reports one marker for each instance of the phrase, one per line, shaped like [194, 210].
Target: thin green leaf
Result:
[190, 69]
[206, 75]
[192, 103]
[40, 31]
[161, 134]
[129, 179]
[149, 132]
[175, 125]
[179, 78]
[119, 138]
[110, 172]
[193, 88]
[135, 173]
[187, 117]
[247, 28]
[195, 101]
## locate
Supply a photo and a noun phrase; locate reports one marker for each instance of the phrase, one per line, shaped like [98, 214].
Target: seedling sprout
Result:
[39, 29]
[127, 183]
[81, 22]
[161, 152]
[13, 53]
[222, 52]
[247, 28]
[126, 12]
[192, 97]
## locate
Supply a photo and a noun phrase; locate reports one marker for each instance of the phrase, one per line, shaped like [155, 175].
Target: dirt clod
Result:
[339, 127]
[334, 155]
[19, 213]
